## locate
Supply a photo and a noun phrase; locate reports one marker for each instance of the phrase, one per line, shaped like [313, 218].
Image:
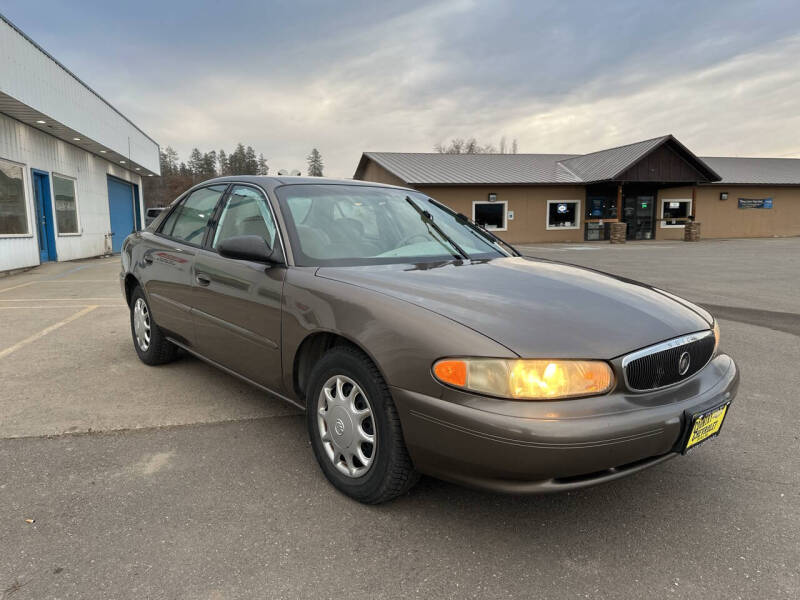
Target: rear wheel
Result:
[151, 345]
[354, 428]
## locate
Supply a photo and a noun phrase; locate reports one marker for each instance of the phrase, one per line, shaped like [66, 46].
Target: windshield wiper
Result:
[428, 220]
[485, 233]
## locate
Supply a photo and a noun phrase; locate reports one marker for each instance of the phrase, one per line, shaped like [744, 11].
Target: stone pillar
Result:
[691, 232]
[617, 232]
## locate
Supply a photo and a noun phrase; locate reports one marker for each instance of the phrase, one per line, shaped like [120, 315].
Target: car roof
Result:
[270, 183]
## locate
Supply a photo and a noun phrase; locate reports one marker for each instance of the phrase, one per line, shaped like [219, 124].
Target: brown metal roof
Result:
[756, 171]
[558, 169]
[607, 164]
[434, 168]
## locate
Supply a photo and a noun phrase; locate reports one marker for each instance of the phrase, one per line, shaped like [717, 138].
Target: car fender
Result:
[401, 338]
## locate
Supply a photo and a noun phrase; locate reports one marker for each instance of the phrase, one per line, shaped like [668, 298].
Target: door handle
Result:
[202, 279]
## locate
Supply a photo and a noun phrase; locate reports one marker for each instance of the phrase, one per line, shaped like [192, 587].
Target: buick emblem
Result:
[683, 363]
[339, 426]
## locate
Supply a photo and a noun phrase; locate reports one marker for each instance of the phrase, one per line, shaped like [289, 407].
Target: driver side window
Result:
[245, 213]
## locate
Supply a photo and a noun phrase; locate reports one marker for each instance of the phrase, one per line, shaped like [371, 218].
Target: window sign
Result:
[674, 213]
[563, 214]
[755, 202]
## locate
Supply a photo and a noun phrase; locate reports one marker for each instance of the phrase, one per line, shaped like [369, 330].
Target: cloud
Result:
[347, 77]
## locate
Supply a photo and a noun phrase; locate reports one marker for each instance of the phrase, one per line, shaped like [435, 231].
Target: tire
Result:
[157, 350]
[390, 472]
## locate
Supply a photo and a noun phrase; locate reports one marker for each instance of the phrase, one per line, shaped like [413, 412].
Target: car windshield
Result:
[340, 225]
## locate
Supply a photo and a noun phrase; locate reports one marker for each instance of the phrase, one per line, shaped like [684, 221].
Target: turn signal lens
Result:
[716, 336]
[453, 372]
[527, 379]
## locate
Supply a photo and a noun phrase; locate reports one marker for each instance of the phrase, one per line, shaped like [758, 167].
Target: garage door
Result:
[121, 208]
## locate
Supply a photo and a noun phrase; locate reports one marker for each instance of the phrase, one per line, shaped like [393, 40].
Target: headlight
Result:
[526, 379]
[716, 337]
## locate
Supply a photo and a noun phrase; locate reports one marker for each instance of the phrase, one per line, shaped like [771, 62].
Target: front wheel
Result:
[151, 345]
[354, 428]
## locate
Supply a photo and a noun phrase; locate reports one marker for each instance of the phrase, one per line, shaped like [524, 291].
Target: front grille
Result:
[660, 365]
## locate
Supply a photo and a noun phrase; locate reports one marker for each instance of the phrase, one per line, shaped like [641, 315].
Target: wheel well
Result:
[310, 351]
[130, 283]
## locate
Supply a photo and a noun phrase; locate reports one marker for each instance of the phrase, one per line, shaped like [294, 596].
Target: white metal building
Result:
[71, 165]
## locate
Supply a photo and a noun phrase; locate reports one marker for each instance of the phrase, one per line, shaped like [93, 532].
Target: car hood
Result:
[536, 308]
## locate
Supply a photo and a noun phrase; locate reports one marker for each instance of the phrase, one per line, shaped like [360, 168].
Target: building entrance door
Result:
[121, 211]
[44, 216]
[638, 212]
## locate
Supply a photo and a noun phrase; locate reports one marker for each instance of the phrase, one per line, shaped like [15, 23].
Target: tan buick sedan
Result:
[417, 342]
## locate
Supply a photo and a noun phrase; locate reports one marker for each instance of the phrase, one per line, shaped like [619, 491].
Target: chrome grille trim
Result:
[661, 347]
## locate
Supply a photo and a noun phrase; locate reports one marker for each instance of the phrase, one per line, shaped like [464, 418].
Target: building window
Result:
[13, 208]
[675, 212]
[563, 214]
[491, 215]
[66, 205]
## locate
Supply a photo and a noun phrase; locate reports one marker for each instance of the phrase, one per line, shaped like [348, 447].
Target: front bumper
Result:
[532, 447]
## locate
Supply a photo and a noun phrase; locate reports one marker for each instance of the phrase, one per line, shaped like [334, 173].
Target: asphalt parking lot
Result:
[182, 482]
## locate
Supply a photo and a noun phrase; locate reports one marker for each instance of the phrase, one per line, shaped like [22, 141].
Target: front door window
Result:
[638, 213]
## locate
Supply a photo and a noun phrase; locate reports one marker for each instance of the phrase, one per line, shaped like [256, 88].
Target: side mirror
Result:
[246, 247]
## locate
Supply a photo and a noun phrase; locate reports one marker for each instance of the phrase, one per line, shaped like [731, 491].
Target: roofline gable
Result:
[714, 176]
[609, 165]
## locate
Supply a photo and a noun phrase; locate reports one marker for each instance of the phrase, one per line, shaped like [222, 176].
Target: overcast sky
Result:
[724, 77]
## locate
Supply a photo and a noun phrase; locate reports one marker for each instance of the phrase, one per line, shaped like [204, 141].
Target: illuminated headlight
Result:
[526, 379]
[716, 336]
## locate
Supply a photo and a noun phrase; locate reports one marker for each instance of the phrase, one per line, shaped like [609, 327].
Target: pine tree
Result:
[263, 167]
[209, 169]
[315, 164]
[514, 146]
[237, 161]
[169, 161]
[224, 168]
[251, 162]
[195, 163]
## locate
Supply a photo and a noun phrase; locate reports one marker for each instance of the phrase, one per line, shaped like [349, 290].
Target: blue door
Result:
[121, 210]
[44, 216]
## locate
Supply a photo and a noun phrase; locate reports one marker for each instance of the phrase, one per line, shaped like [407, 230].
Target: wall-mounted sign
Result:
[755, 202]
[492, 197]
[674, 204]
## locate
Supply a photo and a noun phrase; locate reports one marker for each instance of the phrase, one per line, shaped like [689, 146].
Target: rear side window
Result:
[189, 220]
